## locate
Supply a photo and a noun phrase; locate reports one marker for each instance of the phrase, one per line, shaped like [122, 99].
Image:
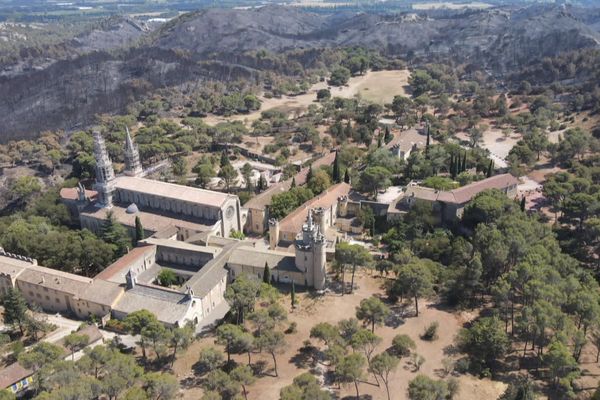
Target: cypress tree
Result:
[347, 176]
[267, 274]
[490, 170]
[293, 295]
[309, 175]
[337, 174]
[523, 203]
[427, 143]
[139, 229]
[464, 163]
[224, 159]
[348, 131]
[388, 135]
[451, 169]
[379, 140]
[293, 182]
[457, 166]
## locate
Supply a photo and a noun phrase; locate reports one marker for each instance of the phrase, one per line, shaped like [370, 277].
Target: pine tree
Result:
[293, 295]
[139, 229]
[490, 170]
[267, 274]
[115, 234]
[523, 203]
[336, 174]
[293, 182]
[15, 309]
[347, 176]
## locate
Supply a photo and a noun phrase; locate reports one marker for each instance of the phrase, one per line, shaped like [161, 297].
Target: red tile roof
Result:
[463, 194]
[71, 194]
[466, 193]
[13, 374]
[294, 221]
[260, 201]
[125, 261]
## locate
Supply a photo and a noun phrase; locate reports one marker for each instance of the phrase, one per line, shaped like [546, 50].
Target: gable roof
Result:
[13, 265]
[53, 279]
[294, 221]
[463, 194]
[203, 281]
[72, 194]
[405, 140]
[262, 200]
[252, 257]
[121, 266]
[152, 220]
[466, 193]
[12, 374]
[172, 191]
[101, 292]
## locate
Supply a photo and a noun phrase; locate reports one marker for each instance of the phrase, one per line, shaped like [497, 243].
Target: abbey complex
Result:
[187, 231]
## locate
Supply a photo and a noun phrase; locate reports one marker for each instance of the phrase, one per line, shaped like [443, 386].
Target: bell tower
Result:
[105, 175]
[133, 166]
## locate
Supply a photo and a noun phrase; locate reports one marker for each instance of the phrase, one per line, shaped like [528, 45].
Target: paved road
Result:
[65, 327]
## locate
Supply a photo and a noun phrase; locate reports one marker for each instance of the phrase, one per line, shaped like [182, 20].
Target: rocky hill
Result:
[68, 93]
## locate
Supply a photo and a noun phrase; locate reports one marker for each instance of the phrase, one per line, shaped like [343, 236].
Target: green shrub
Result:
[166, 277]
[403, 345]
[293, 328]
[116, 325]
[430, 333]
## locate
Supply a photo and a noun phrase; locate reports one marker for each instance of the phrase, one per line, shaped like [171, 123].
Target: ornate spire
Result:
[309, 220]
[105, 175]
[133, 166]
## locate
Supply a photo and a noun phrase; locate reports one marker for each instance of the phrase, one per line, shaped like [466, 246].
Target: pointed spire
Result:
[309, 220]
[105, 175]
[128, 140]
[133, 166]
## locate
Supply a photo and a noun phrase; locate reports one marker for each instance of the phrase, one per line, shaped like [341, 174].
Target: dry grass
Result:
[376, 86]
[333, 308]
[381, 86]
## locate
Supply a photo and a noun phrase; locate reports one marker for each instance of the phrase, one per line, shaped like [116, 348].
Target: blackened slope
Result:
[68, 93]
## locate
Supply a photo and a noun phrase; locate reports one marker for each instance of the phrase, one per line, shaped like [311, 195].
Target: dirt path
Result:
[333, 308]
[376, 86]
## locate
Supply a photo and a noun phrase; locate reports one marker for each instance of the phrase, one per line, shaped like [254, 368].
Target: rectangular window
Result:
[57, 300]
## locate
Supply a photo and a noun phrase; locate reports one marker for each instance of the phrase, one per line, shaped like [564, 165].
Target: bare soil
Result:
[376, 86]
[333, 308]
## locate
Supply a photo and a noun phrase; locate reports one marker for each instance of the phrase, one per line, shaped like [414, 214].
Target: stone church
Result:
[159, 205]
[187, 231]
